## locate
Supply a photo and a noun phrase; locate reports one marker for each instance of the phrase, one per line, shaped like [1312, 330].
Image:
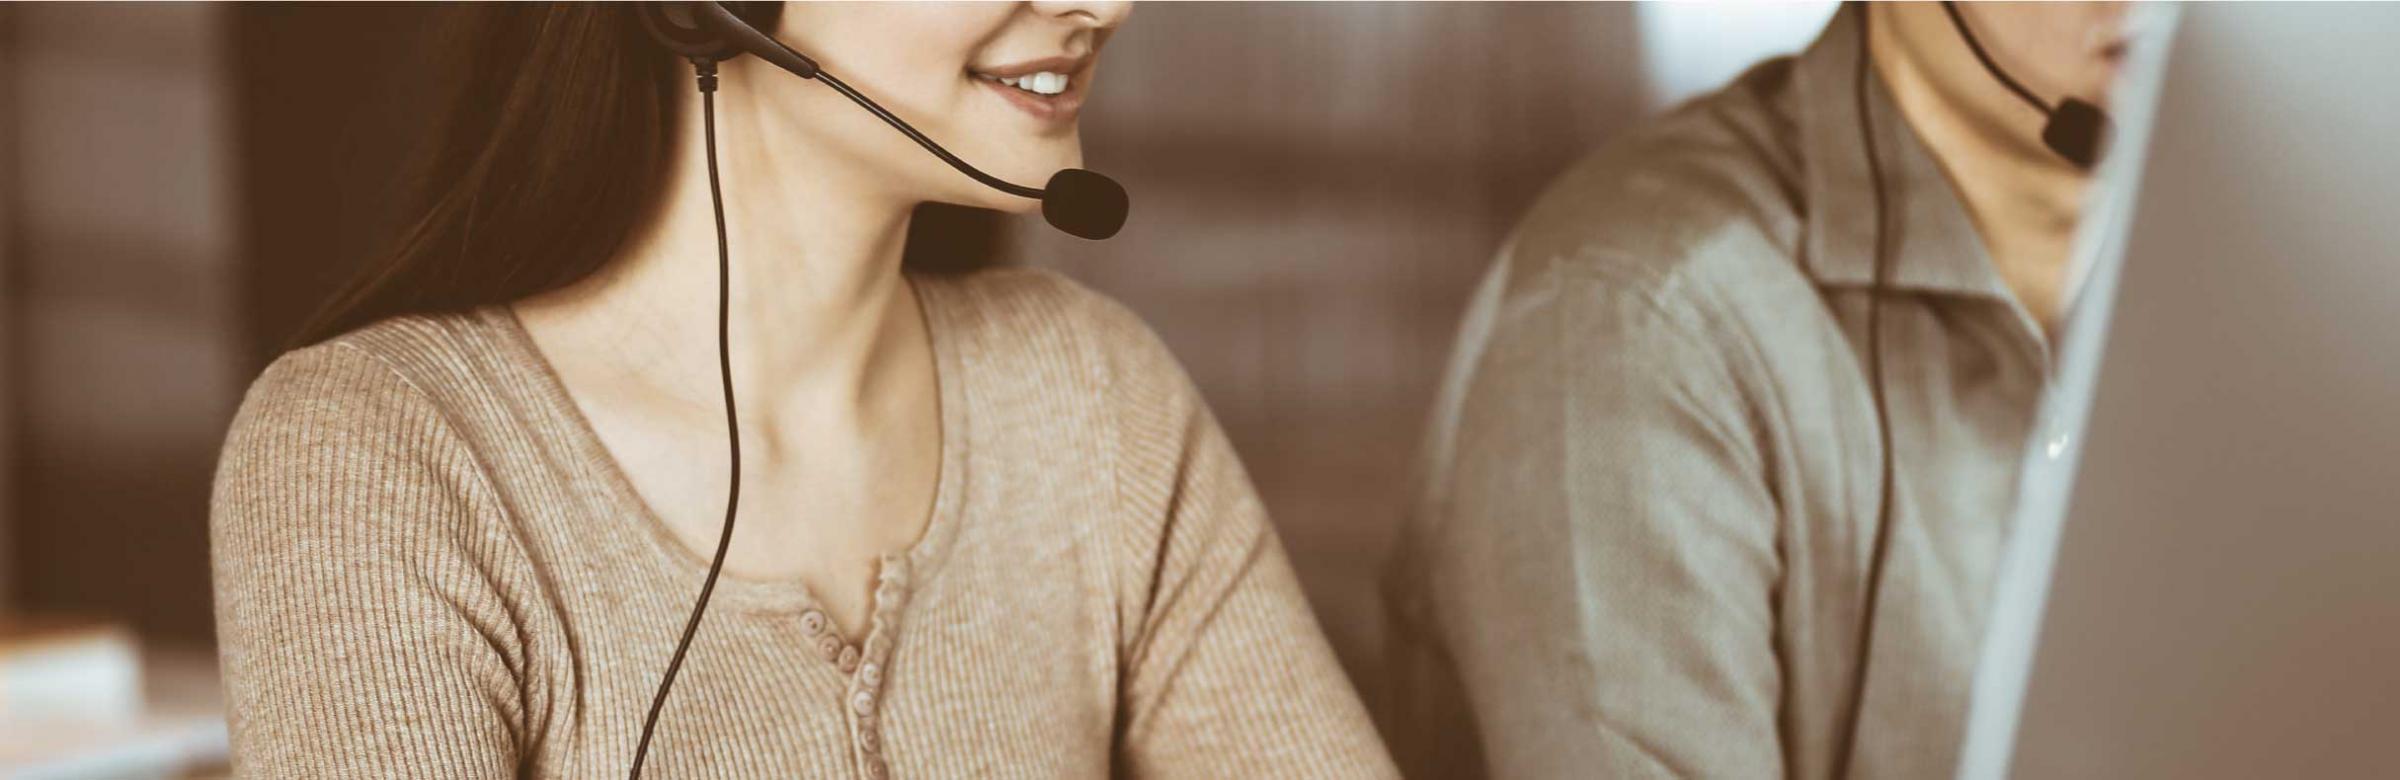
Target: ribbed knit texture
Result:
[428, 566]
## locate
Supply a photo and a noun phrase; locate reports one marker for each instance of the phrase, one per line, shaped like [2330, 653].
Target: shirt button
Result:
[812, 622]
[863, 703]
[876, 771]
[871, 674]
[848, 660]
[868, 741]
[829, 646]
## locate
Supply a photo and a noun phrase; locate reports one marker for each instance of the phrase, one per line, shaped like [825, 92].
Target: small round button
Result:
[829, 646]
[876, 770]
[869, 740]
[812, 622]
[863, 703]
[848, 660]
[871, 674]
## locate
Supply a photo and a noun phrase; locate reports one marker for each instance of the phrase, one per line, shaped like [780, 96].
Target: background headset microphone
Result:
[2075, 130]
[1079, 202]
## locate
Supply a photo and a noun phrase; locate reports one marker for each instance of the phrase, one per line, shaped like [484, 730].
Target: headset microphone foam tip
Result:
[1084, 204]
[2075, 131]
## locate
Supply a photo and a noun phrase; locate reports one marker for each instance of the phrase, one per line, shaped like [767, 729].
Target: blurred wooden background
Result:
[1317, 187]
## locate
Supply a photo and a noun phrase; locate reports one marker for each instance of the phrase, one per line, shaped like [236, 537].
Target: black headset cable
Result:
[1960, 21]
[706, 71]
[1844, 745]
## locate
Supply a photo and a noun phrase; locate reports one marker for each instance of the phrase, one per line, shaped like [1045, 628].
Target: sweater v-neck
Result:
[897, 571]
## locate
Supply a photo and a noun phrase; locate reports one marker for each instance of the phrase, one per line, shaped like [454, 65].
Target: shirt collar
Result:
[1933, 243]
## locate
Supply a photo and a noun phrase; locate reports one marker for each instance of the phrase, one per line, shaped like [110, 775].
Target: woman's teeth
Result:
[1043, 83]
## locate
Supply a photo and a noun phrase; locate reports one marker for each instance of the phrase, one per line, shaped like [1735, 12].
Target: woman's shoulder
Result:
[1043, 325]
[1062, 377]
[343, 436]
[388, 379]
[1036, 299]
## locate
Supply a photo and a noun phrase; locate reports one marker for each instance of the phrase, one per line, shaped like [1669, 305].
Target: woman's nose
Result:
[1101, 15]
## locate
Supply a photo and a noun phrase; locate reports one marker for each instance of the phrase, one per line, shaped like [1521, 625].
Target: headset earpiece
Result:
[672, 25]
[678, 26]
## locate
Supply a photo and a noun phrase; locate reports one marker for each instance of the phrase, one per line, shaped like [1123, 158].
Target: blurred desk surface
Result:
[180, 733]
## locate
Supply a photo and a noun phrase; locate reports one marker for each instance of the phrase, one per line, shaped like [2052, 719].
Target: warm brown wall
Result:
[122, 356]
[187, 182]
[8, 311]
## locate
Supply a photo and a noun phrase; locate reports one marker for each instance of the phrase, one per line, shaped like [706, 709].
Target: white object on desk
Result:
[178, 729]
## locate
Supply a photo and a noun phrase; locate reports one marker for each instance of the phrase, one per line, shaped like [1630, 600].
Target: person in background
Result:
[1652, 483]
[988, 527]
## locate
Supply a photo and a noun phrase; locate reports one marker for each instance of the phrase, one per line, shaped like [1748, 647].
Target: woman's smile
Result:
[1050, 89]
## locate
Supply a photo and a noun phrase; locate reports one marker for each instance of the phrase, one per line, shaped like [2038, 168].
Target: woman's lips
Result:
[1060, 108]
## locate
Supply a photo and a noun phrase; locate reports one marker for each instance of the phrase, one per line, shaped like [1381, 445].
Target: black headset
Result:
[2075, 130]
[1077, 201]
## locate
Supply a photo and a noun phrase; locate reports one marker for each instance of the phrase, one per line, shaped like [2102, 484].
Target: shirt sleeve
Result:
[1609, 539]
[1226, 672]
[362, 625]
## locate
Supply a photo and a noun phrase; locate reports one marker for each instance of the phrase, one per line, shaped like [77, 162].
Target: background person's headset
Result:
[2074, 130]
[1077, 201]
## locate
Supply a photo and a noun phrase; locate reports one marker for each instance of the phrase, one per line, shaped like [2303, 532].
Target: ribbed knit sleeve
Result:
[1227, 673]
[360, 575]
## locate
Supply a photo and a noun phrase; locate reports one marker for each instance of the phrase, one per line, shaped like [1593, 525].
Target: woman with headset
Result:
[986, 526]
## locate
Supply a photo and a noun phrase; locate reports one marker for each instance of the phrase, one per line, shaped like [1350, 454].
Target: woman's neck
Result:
[818, 303]
[2023, 199]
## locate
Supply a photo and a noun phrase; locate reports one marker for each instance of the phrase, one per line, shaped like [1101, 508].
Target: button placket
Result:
[866, 700]
[824, 638]
[866, 723]
[871, 741]
[865, 664]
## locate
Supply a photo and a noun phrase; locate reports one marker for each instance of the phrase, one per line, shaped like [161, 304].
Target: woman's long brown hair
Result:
[555, 147]
[560, 126]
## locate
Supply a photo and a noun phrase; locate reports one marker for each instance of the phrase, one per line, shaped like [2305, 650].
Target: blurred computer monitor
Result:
[2223, 568]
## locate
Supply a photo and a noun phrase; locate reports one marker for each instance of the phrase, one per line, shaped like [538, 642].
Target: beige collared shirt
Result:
[1650, 484]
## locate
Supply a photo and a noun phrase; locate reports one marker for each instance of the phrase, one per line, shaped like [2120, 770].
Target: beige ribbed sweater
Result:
[427, 565]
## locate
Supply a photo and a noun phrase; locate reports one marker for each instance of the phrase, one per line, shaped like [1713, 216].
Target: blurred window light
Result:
[1690, 48]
